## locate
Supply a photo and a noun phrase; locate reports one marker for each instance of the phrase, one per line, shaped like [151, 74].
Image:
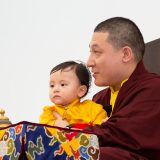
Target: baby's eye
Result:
[51, 85]
[63, 84]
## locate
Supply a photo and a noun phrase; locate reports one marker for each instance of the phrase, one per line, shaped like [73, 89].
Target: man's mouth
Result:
[95, 74]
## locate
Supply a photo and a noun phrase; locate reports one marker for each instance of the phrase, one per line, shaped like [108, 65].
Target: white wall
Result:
[35, 35]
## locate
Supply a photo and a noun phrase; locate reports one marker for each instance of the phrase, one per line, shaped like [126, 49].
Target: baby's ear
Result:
[82, 90]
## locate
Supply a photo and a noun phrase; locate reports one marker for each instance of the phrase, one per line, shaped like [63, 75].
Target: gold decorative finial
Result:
[4, 121]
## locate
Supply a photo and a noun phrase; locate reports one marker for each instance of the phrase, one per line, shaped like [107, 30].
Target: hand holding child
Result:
[105, 120]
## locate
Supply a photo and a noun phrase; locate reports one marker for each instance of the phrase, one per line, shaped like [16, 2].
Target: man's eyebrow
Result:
[93, 45]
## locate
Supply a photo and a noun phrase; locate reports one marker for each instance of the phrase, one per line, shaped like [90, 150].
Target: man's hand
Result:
[59, 121]
[105, 120]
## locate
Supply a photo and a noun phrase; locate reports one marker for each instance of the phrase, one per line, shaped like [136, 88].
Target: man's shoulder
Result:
[152, 80]
[101, 94]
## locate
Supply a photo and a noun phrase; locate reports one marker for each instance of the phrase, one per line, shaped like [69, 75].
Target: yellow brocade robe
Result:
[86, 112]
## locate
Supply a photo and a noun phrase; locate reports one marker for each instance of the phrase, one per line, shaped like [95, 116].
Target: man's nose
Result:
[90, 62]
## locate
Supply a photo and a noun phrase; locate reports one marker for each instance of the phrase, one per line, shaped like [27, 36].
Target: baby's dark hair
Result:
[81, 70]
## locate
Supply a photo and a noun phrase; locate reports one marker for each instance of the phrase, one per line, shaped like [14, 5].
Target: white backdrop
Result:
[35, 35]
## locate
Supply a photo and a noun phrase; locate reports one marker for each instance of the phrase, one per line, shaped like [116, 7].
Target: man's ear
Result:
[127, 54]
[82, 90]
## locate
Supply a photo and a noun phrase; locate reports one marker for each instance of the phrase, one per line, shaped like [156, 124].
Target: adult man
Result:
[132, 132]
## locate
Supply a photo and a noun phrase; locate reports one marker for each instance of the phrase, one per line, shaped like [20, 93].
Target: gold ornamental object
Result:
[4, 121]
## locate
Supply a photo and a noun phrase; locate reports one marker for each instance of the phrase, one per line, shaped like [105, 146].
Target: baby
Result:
[69, 83]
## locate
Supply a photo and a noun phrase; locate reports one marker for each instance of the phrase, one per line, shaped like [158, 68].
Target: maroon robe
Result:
[133, 130]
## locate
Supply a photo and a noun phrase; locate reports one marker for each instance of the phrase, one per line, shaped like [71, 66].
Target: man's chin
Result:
[99, 84]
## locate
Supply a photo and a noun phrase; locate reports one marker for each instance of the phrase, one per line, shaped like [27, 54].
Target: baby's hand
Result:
[59, 121]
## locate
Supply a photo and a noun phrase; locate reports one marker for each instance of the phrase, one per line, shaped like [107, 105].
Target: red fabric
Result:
[134, 124]
[70, 135]
[79, 126]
